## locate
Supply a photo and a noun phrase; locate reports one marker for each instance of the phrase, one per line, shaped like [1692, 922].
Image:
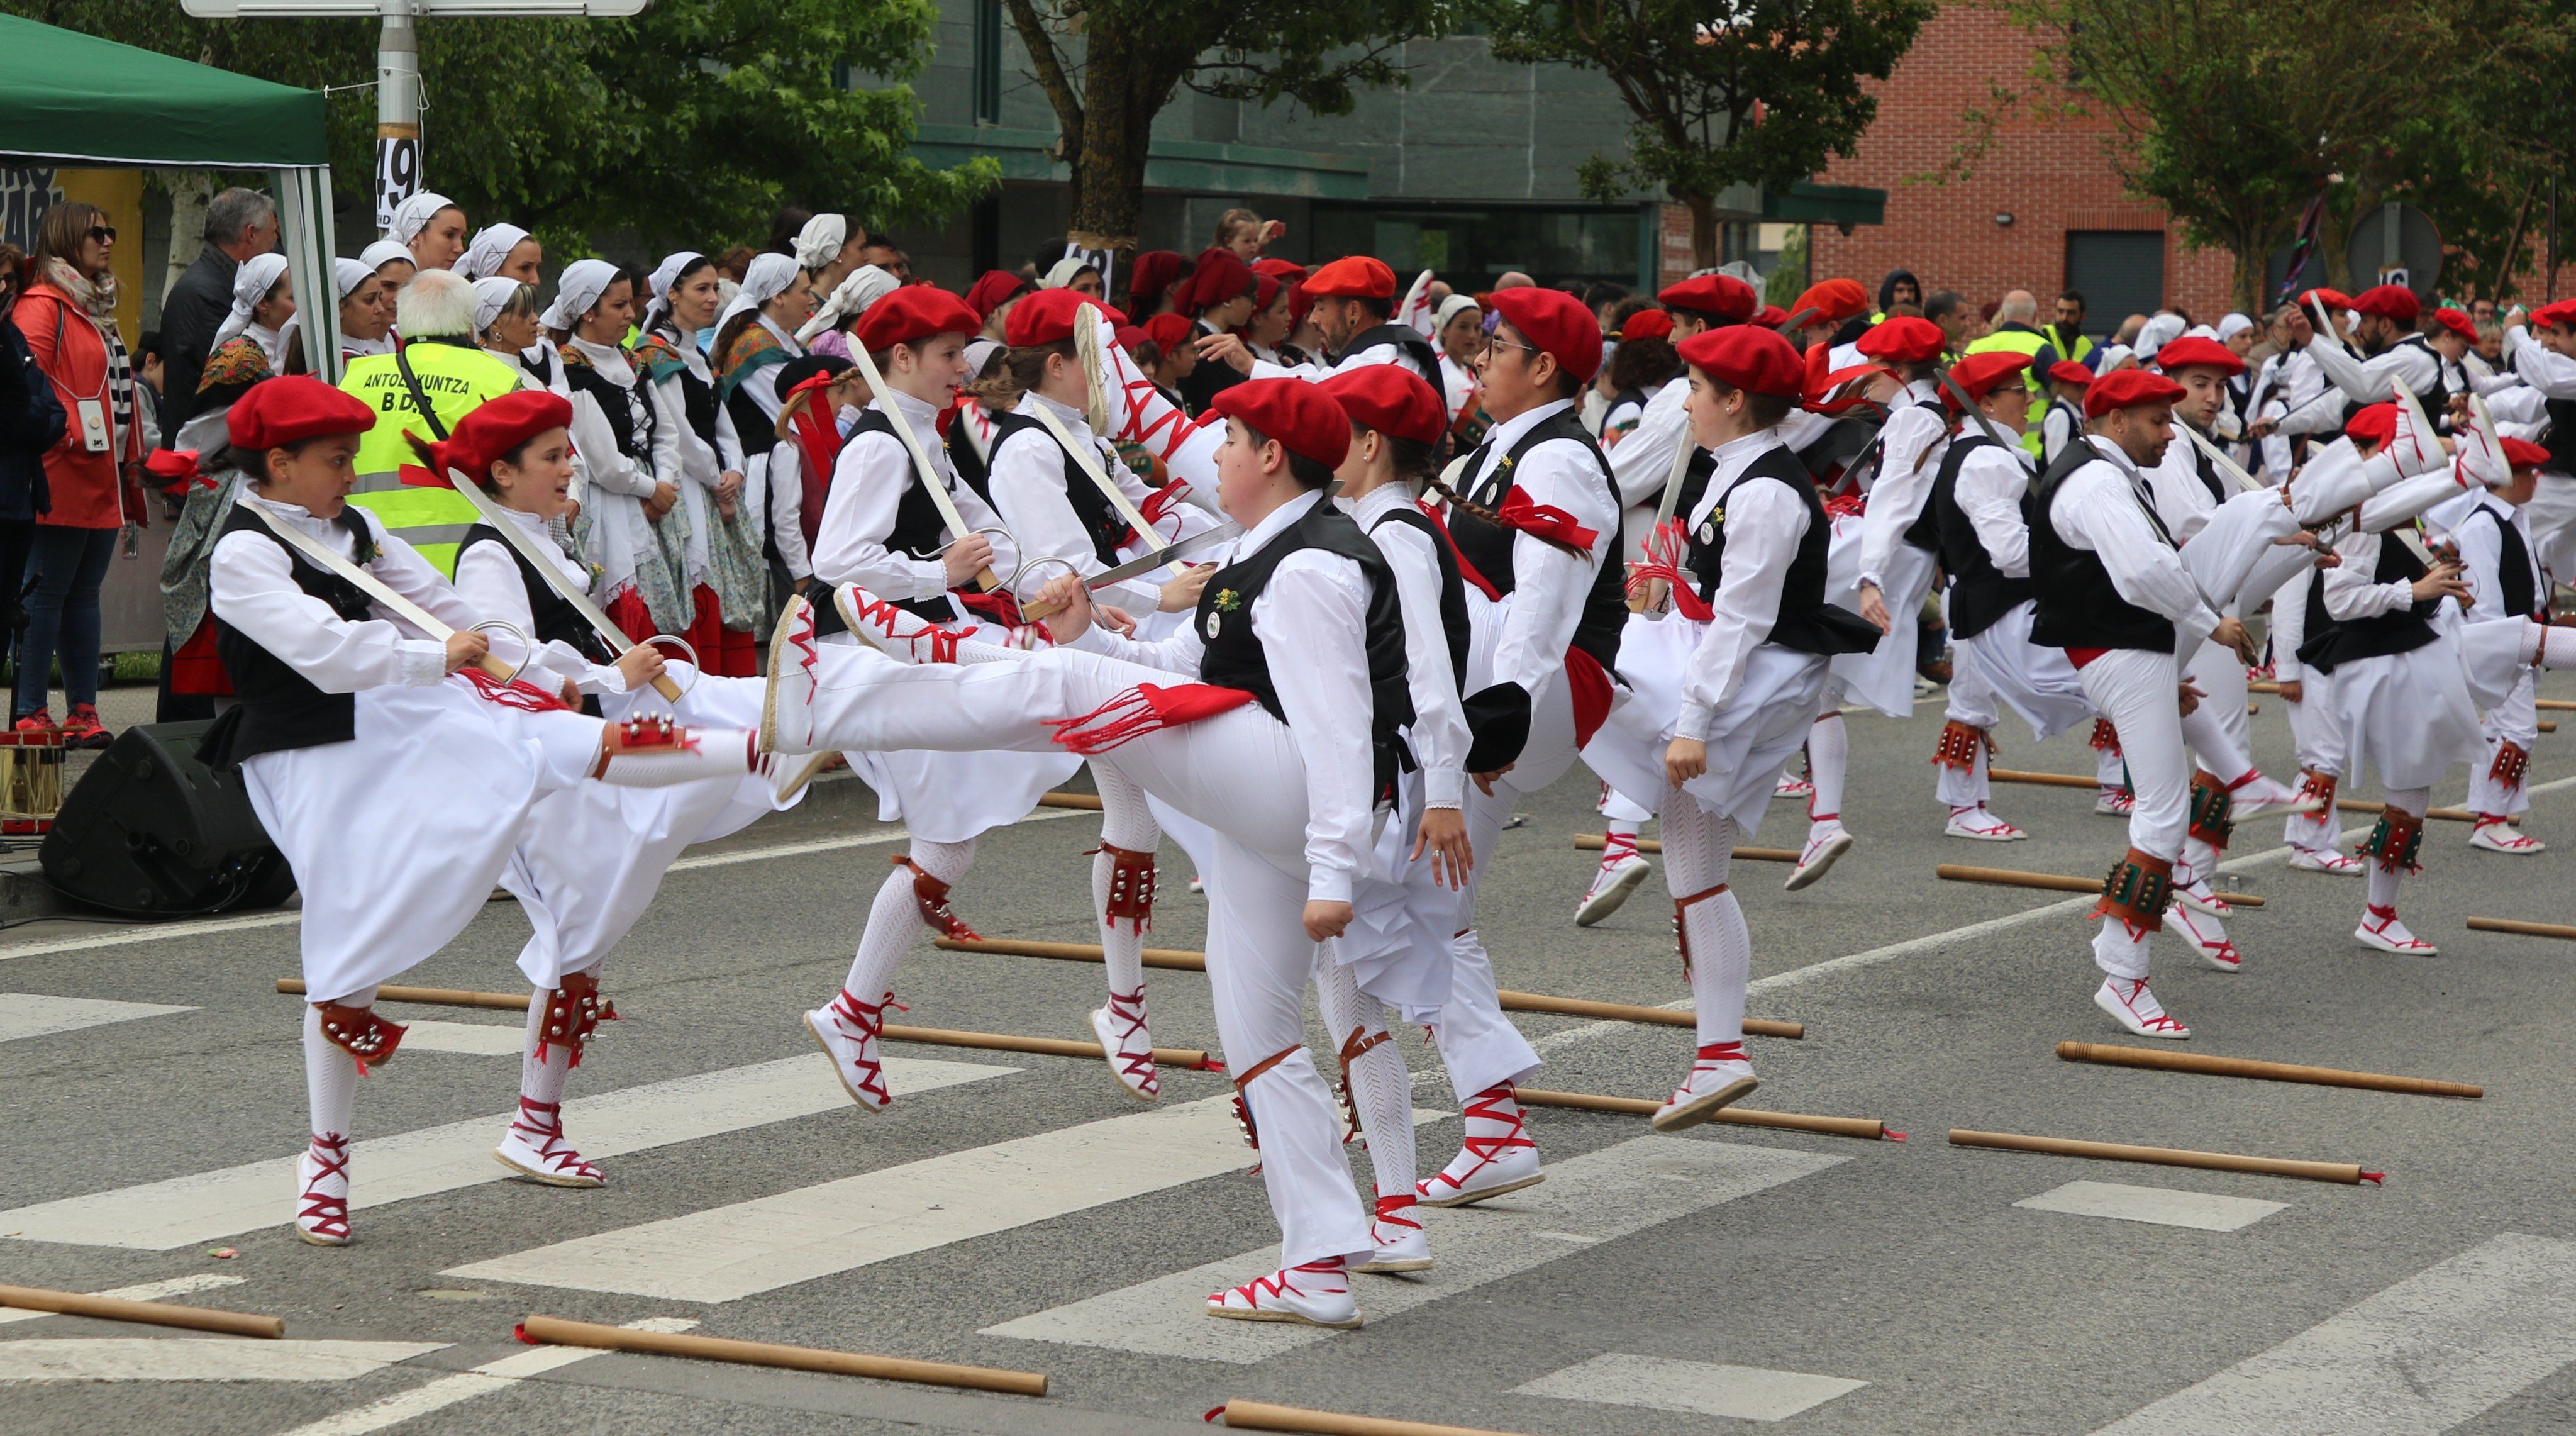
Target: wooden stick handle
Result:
[1865, 1128]
[155, 1313]
[555, 1331]
[496, 668]
[1595, 842]
[1183, 960]
[2053, 882]
[2045, 780]
[2265, 1071]
[668, 689]
[1188, 1057]
[2527, 929]
[1086, 802]
[1262, 1416]
[431, 996]
[2348, 1173]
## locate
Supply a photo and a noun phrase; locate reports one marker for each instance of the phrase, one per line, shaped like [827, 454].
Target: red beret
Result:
[1219, 277]
[1152, 274]
[913, 313]
[1723, 295]
[492, 429]
[1748, 357]
[2550, 316]
[1647, 324]
[1772, 316]
[1169, 331]
[2332, 298]
[1286, 271]
[994, 290]
[1047, 316]
[1300, 416]
[2389, 301]
[288, 410]
[2457, 322]
[2125, 388]
[1391, 399]
[1129, 336]
[2376, 424]
[1834, 300]
[1558, 324]
[1903, 340]
[2067, 371]
[1980, 373]
[2524, 454]
[2190, 352]
[1357, 277]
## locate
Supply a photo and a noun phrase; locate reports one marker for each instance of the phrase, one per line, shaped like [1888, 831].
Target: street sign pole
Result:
[398, 156]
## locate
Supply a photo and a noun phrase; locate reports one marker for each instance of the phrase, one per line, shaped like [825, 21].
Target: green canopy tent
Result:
[72, 99]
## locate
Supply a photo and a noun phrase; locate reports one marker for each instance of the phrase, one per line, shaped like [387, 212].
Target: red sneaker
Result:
[83, 730]
[40, 721]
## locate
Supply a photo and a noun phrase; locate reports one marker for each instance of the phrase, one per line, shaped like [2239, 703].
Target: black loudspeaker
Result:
[152, 832]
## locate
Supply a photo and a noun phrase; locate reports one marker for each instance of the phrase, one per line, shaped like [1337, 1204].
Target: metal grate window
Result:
[2119, 272]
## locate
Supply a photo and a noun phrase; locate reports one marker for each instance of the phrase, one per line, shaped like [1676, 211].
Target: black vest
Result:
[2561, 442]
[1979, 592]
[2207, 471]
[699, 404]
[1233, 657]
[1103, 525]
[1805, 622]
[1487, 546]
[628, 411]
[1417, 352]
[1874, 454]
[974, 469]
[2079, 606]
[281, 708]
[557, 621]
[1212, 377]
[1453, 586]
[2516, 574]
[919, 532]
[1925, 532]
[2400, 630]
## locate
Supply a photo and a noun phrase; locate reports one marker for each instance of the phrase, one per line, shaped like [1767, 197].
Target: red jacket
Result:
[87, 487]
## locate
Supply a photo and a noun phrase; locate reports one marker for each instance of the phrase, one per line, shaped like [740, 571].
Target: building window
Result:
[1469, 248]
[2119, 272]
[988, 62]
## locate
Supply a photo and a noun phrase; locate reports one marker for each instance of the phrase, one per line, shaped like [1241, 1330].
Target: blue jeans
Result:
[65, 567]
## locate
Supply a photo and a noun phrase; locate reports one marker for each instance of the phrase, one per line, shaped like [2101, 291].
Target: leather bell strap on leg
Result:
[1242, 1104]
[2137, 891]
[1131, 886]
[1959, 744]
[573, 1011]
[1681, 924]
[930, 896]
[1355, 1047]
[2394, 840]
[2210, 804]
[2319, 786]
[2512, 760]
[2105, 739]
[359, 1032]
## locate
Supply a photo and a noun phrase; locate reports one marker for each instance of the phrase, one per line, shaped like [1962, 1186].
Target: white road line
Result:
[2160, 1205]
[1615, 1192]
[465, 1385]
[770, 1242]
[158, 1216]
[148, 1291]
[2417, 1359]
[480, 1039]
[198, 1358]
[1748, 1393]
[33, 1014]
[892, 832]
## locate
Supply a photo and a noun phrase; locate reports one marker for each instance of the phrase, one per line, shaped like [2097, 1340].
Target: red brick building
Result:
[2041, 210]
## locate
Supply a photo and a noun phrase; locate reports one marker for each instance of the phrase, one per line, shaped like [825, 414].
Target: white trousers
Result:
[2320, 739]
[2515, 721]
[2138, 692]
[2552, 512]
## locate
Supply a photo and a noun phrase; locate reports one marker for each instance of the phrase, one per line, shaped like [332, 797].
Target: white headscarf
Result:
[251, 283]
[820, 241]
[491, 293]
[1450, 308]
[580, 286]
[491, 248]
[412, 216]
[766, 279]
[865, 286]
[2232, 324]
[666, 274]
[348, 274]
[383, 252]
[1061, 273]
[2159, 331]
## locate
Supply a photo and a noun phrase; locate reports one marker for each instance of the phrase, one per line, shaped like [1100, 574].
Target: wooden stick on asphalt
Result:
[1188, 1057]
[2561, 705]
[2053, 882]
[2527, 929]
[1867, 1129]
[2163, 1061]
[555, 1331]
[1245, 1415]
[1593, 843]
[431, 996]
[1183, 960]
[1086, 802]
[2045, 780]
[2350, 1174]
[156, 1313]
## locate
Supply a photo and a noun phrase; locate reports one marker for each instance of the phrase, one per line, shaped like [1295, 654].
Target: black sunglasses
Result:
[105, 232]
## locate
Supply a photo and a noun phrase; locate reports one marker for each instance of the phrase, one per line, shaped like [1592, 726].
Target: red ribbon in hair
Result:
[1466, 570]
[1145, 708]
[1544, 521]
[1588, 683]
[818, 441]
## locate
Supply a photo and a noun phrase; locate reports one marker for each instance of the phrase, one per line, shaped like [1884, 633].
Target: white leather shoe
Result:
[1397, 1241]
[1317, 1293]
[1612, 885]
[534, 1147]
[2325, 860]
[847, 1032]
[2502, 838]
[1818, 858]
[1982, 825]
[2135, 1008]
[1715, 1081]
[322, 1192]
[2381, 929]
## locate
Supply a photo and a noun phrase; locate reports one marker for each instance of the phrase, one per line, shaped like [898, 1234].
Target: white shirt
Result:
[697, 465]
[2353, 589]
[762, 384]
[1764, 522]
[1461, 387]
[1439, 733]
[1642, 460]
[2304, 402]
[2290, 627]
[868, 482]
[1910, 446]
[1028, 482]
[489, 581]
[1992, 480]
[1548, 584]
[252, 588]
[2062, 425]
[2101, 508]
[2182, 500]
[1312, 620]
[2366, 381]
[1320, 368]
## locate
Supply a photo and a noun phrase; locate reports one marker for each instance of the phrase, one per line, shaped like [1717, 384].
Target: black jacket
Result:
[190, 314]
[31, 421]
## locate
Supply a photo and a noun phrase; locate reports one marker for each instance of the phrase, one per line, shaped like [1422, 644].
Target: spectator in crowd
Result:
[2065, 334]
[92, 475]
[2126, 336]
[1245, 233]
[147, 388]
[1514, 279]
[881, 251]
[32, 421]
[1898, 286]
[240, 223]
[1949, 309]
[2483, 311]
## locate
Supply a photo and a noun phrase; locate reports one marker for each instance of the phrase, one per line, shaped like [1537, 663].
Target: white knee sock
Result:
[1699, 849]
[1828, 758]
[1380, 1088]
[894, 919]
[542, 1068]
[330, 1078]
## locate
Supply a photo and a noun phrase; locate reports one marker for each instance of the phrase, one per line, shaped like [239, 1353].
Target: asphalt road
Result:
[1843, 1285]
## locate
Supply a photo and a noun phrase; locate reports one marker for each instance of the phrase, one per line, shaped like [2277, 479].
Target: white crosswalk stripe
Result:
[1702, 1388]
[2159, 1205]
[198, 1358]
[1599, 1196]
[465, 1385]
[32, 1014]
[478, 1039]
[158, 1216]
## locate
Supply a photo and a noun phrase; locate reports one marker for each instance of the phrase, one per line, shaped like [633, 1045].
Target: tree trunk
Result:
[1703, 213]
[1109, 178]
[2249, 262]
[189, 191]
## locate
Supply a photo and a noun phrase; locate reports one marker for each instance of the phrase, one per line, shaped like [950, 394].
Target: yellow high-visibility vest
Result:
[456, 378]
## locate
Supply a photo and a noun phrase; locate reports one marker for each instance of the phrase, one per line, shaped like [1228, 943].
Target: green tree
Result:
[2481, 163]
[1108, 67]
[689, 123]
[1724, 92]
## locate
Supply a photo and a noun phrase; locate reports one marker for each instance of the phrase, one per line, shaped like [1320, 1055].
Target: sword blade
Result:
[1168, 554]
